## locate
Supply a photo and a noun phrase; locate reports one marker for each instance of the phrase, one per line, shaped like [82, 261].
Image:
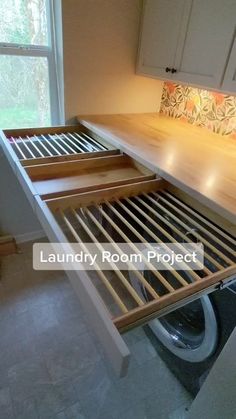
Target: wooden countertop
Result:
[201, 163]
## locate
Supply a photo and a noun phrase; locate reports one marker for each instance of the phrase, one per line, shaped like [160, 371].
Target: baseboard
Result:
[7, 246]
[27, 237]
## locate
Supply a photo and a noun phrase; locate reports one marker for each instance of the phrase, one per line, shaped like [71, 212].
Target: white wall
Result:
[216, 399]
[100, 48]
[100, 39]
[16, 215]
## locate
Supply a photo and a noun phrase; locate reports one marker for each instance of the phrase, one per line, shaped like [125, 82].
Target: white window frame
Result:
[49, 51]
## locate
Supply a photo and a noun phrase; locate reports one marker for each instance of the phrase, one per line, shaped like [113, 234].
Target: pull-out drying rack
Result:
[84, 190]
[49, 145]
[152, 216]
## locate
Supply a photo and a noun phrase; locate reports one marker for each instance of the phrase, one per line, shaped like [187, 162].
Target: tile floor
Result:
[52, 367]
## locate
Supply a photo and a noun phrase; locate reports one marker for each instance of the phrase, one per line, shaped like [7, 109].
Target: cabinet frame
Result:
[222, 80]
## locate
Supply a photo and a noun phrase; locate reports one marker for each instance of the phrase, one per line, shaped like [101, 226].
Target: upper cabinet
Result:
[229, 82]
[188, 41]
[162, 22]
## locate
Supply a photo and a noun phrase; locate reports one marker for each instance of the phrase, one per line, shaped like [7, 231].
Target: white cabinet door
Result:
[202, 53]
[163, 24]
[229, 83]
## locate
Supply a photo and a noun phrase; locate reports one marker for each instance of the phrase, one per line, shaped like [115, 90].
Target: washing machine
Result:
[190, 339]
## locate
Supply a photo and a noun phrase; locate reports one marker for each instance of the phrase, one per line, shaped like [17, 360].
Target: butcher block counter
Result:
[199, 162]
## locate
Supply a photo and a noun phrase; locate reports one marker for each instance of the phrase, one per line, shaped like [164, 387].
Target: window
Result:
[28, 77]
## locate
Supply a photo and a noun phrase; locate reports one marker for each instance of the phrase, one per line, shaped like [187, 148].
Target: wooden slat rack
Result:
[82, 189]
[49, 145]
[155, 216]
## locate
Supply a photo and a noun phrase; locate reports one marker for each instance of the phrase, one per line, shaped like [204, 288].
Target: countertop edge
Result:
[116, 141]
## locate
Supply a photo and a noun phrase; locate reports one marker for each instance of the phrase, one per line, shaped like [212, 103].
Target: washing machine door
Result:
[191, 332]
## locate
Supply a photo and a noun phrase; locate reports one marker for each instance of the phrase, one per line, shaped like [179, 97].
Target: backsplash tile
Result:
[212, 110]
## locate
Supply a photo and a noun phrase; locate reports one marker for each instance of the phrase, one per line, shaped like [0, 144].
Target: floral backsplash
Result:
[211, 110]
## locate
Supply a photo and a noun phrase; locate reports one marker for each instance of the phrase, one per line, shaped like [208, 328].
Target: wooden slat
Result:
[35, 146]
[23, 132]
[97, 144]
[58, 144]
[51, 145]
[66, 144]
[156, 237]
[179, 233]
[96, 312]
[18, 148]
[57, 169]
[140, 277]
[86, 147]
[75, 143]
[27, 148]
[44, 147]
[152, 308]
[201, 218]
[151, 234]
[58, 187]
[193, 233]
[53, 141]
[98, 271]
[110, 193]
[120, 275]
[65, 157]
[156, 273]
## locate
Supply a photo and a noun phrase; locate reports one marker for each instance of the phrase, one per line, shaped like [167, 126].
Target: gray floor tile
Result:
[16, 328]
[138, 384]
[72, 356]
[55, 337]
[74, 326]
[8, 304]
[135, 412]
[20, 302]
[97, 393]
[165, 401]
[153, 377]
[7, 413]
[44, 293]
[3, 376]
[48, 340]
[18, 352]
[56, 369]
[72, 412]
[134, 335]
[5, 398]
[27, 377]
[44, 317]
[143, 351]
[48, 401]
[25, 409]
[66, 393]
[6, 408]
[18, 342]
[181, 412]
[68, 306]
